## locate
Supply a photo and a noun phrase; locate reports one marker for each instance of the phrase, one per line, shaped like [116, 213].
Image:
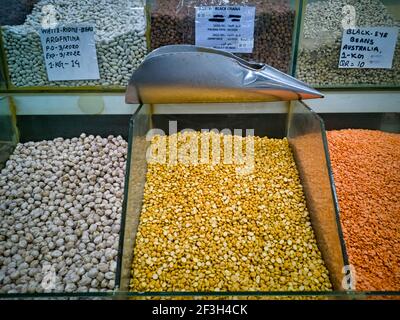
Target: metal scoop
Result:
[190, 74]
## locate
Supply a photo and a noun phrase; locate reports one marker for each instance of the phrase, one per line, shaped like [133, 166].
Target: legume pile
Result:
[173, 22]
[119, 32]
[207, 227]
[319, 51]
[366, 167]
[60, 210]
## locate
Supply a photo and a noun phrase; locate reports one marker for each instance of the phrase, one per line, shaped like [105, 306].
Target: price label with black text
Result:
[70, 53]
[229, 28]
[371, 47]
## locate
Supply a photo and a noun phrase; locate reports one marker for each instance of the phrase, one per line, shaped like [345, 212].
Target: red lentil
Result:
[366, 168]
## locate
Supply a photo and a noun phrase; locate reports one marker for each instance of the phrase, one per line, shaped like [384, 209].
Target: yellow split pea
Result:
[211, 227]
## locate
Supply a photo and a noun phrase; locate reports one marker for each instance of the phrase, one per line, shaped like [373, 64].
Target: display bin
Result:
[42, 262]
[305, 132]
[155, 190]
[320, 42]
[378, 133]
[115, 48]
[270, 41]
[306, 135]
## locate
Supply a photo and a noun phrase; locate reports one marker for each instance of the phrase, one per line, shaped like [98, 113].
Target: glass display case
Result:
[368, 57]
[306, 136]
[364, 158]
[262, 31]
[51, 44]
[88, 208]
[61, 194]
[38, 130]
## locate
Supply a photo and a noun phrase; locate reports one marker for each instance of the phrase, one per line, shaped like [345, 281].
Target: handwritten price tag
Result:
[70, 53]
[371, 47]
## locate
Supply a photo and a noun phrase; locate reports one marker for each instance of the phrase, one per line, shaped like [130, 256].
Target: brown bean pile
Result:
[14, 12]
[172, 23]
[366, 167]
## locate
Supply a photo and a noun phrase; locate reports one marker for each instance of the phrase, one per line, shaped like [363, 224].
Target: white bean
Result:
[42, 239]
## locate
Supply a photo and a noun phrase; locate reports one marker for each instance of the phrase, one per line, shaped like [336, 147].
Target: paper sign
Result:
[229, 28]
[70, 53]
[371, 47]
